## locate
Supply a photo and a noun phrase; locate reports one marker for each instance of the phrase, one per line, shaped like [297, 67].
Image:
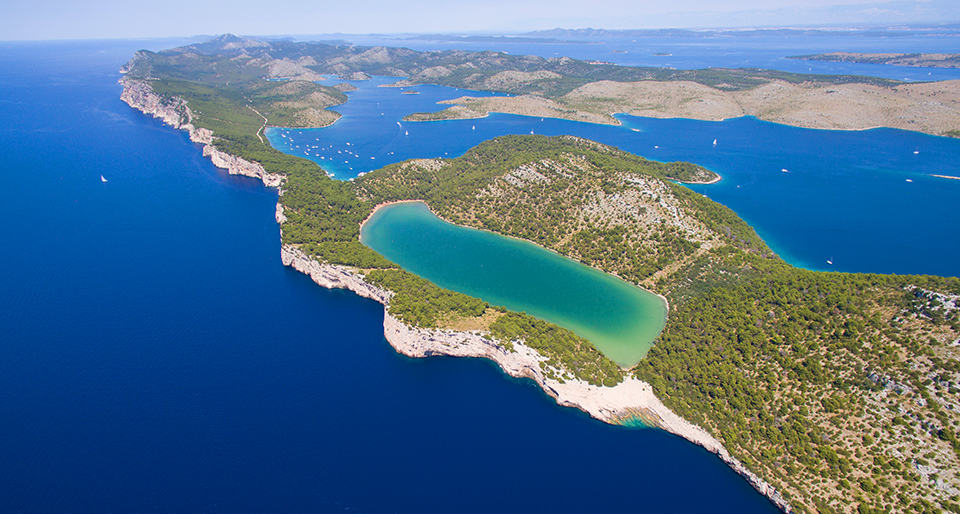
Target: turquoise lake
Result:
[622, 320]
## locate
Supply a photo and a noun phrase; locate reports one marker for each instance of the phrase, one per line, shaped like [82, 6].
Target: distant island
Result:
[826, 391]
[938, 60]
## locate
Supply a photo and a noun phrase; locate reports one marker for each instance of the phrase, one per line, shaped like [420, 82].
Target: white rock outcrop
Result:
[631, 398]
[174, 112]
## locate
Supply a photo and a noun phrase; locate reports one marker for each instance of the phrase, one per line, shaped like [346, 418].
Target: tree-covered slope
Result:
[838, 388]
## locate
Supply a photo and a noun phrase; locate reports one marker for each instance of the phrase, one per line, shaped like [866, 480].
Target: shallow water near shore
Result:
[156, 355]
[622, 320]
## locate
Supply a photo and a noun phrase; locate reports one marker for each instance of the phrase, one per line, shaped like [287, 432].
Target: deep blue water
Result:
[156, 356]
[844, 198]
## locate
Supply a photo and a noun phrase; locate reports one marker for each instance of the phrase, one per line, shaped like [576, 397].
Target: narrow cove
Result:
[622, 320]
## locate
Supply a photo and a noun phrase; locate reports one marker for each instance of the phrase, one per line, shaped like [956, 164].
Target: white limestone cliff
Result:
[174, 112]
[631, 398]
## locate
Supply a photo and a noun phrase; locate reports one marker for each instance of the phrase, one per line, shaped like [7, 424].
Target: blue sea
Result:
[156, 356]
[865, 201]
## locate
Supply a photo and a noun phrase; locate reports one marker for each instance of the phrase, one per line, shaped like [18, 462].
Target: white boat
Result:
[830, 262]
[714, 142]
[909, 180]
[406, 132]
[398, 124]
[784, 170]
[531, 132]
[102, 178]
[656, 146]
[474, 127]
[915, 152]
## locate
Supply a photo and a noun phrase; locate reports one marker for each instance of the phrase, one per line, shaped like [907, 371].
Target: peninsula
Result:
[827, 391]
[930, 107]
[939, 60]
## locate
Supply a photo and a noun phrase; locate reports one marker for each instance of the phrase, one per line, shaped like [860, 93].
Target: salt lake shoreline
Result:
[631, 399]
[666, 303]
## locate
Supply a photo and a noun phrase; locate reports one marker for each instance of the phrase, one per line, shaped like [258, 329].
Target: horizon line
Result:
[520, 33]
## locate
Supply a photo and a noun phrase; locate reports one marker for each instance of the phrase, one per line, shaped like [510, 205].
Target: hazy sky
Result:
[64, 19]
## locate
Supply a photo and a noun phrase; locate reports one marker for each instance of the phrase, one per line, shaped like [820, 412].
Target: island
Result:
[578, 90]
[826, 391]
[913, 59]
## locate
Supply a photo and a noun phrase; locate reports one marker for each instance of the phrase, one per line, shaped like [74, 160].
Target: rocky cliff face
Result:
[174, 112]
[237, 166]
[631, 399]
[332, 276]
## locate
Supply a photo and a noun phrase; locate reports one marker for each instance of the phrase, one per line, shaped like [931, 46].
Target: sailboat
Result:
[406, 132]
[474, 127]
[714, 142]
[102, 178]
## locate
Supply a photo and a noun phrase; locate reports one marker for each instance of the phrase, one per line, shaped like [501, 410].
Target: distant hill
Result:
[914, 59]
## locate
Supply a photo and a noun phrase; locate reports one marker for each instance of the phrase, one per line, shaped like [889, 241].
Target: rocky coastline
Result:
[630, 400]
[174, 112]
